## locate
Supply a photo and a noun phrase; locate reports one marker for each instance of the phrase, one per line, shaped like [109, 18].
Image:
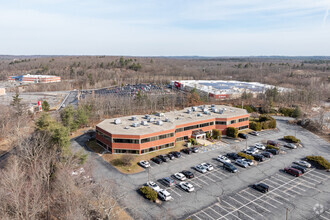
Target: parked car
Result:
[200, 168]
[290, 145]
[260, 146]
[188, 174]
[144, 163]
[267, 154]
[241, 135]
[195, 149]
[251, 150]
[248, 161]
[274, 143]
[259, 157]
[255, 133]
[176, 154]
[164, 158]
[153, 186]
[187, 186]
[180, 176]
[273, 151]
[241, 163]
[230, 167]
[302, 169]
[261, 187]
[293, 171]
[303, 163]
[233, 156]
[186, 150]
[164, 195]
[157, 160]
[207, 166]
[223, 159]
[168, 181]
[171, 156]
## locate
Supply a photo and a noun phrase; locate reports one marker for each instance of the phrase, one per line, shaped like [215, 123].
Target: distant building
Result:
[146, 133]
[2, 91]
[220, 89]
[35, 78]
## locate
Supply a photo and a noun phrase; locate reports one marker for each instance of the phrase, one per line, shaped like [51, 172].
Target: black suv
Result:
[186, 150]
[261, 187]
[164, 158]
[176, 154]
[171, 156]
[230, 167]
[259, 157]
[273, 151]
[194, 149]
[302, 169]
[241, 135]
[188, 174]
[233, 156]
[157, 160]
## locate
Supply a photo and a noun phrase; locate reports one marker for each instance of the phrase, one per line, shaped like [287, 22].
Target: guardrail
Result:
[66, 97]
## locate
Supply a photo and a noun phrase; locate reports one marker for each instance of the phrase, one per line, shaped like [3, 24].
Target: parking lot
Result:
[251, 204]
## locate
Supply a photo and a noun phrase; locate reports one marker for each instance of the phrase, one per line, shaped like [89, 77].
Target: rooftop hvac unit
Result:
[133, 118]
[159, 114]
[151, 119]
[221, 111]
[212, 106]
[205, 109]
[117, 121]
[145, 123]
[147, 116]
[188, 111]
[135, 125]
[126, 127]
[215, 110]
[199, 114]
[159, 122]
[167, 120]
[194, 108]
[206, 112]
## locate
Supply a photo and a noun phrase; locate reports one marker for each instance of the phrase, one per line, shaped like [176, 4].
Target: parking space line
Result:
[254, 202]
[193, 182]
[210, 179]
[315, 176]
[327, 212]
[319, 173]
[202, 181]
[280, 196]
[221, 172]
[207, 214]
[247, 206]
[323, 217]
[234, 210]
[197, 217]
[261, 200]
[214, 175]
[280, 186]
[305, 177]
[175, 192]
[287, 178]
[215, 211]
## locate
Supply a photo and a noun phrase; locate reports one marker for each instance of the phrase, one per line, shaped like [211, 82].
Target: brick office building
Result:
[143, 134]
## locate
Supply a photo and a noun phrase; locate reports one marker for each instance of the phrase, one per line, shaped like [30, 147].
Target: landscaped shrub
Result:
[232, 132]
[320, 161]
[265, 125]
[256, 126]
[292, 139]
[216, 134]
[148, 193]
[286, 111]
[246, 156]
[192, 141]
[272, 147]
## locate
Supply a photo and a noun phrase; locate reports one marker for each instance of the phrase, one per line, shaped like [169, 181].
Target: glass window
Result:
[220, 122]
[127, 141]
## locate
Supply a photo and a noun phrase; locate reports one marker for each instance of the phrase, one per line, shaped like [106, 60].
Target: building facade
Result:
[144, 134]
[35, 78]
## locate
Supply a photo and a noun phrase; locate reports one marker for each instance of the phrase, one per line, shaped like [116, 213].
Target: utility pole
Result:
[287, 213]
[148, 174]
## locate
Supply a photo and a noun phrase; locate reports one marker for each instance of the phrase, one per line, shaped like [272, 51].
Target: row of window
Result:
[124, 151]
[103, 135]
[243, 127]
[159, 137]
[194, 127]
[126, 141]
[220, 122]
[157, 148]
[243, 119]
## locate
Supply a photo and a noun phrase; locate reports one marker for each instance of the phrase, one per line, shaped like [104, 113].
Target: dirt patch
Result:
[4, 146]
[119, 160]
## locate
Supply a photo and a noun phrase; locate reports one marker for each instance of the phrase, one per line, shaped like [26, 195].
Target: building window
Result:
[204, 125]
[126, 141]
[243, 119]
[243, 127]
[108, 138]
[191, 127]
[212, 123]
[232, 122]
[125, 151]
[178, 130]
[148, 150]
[220, 123]
[163, 136]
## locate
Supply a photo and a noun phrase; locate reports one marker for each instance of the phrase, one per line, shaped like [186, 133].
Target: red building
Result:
[143, 134]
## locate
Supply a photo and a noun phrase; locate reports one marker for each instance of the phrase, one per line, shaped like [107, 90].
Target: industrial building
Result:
[146, 133]
[220, 89]
[34, 78]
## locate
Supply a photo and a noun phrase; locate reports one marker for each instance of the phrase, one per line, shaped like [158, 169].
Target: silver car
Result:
[241, 163]
[200, 168]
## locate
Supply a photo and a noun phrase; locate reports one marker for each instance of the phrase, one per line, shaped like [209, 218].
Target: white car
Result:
[164, 195]
[144, 163]
[248, 161]
[241, 163]
[153, 186]
[290, 145]
[260, 146]
[180, 176]
[251, 151]
[207, 166]
[200, 168]
[255, 133]
[303, 163]
[187, 186]
[223, 159]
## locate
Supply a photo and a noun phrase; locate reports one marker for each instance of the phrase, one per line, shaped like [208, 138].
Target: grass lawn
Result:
[116, 159]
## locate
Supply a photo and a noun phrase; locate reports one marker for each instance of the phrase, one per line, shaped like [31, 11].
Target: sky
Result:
[165, 28]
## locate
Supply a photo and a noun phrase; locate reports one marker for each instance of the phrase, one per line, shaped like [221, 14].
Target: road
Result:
[215, 188]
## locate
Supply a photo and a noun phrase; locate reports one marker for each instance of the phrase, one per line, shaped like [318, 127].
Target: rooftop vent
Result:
[215, 110]
[151, 119]
[133, 118]
[126, 127]
[167, 120]
[147, 116]
[206, 112]
[159, 122]
[205, 109]
[188, 111]
[212, 105]
[145, 123]
[117, 121]
[194, 108]
[199, 114]
[135, 124]
[159, 114]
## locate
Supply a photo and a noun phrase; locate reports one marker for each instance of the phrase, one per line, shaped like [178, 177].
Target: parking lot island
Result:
[146, 133]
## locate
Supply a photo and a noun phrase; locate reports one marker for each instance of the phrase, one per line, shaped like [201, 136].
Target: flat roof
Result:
[170, 120]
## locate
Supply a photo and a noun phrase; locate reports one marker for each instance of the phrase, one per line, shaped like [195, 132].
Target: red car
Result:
[293, 171]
